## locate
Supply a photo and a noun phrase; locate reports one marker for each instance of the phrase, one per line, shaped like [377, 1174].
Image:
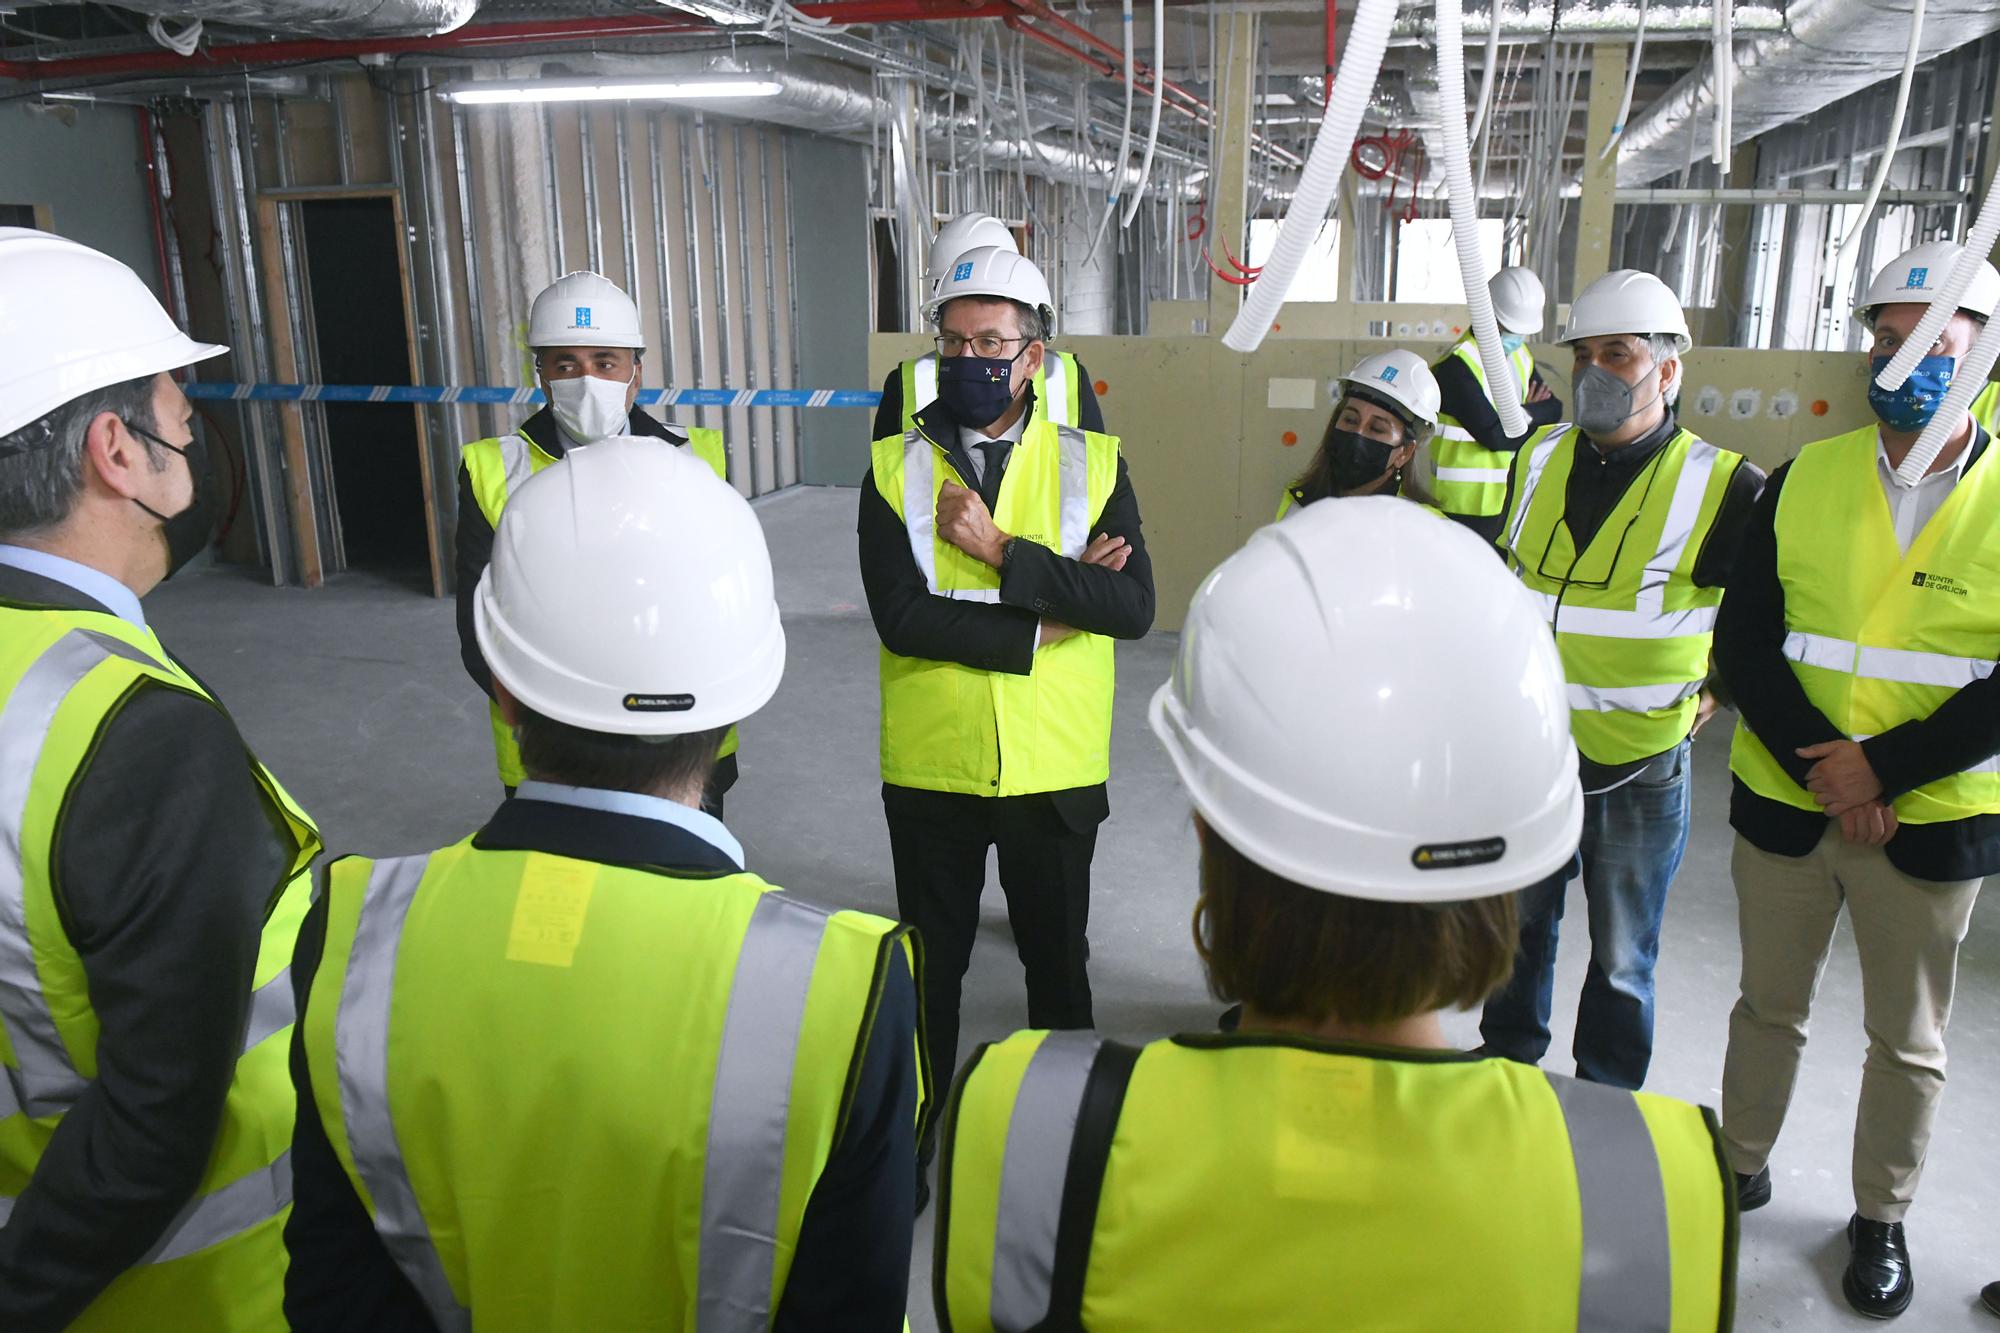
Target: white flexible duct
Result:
[1895, 125]
[1725, 83]
[1965, 386]
[1111, 199]
[1970, 378]
[1348, 99]
[1631, 82]
[1465, 216]
[1486, 76]
[1159, 94]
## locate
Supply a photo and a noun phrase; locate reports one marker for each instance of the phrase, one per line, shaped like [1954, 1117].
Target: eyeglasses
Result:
[1567, 579]
[986, 345]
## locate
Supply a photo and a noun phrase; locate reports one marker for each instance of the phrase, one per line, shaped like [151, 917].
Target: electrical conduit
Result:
[1631, 82]
[1111, 199]
[1347, 100]
[1895, 124]
[1152, 130]
[1486, 77]
[1465, 213]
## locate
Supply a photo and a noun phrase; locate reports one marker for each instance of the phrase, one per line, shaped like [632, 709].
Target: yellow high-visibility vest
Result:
[1633, 628]
[1472, 479]
[1879, 638]
[496, 467]
[64, 675]
[1058, 388]
[947, 727]
[1267, 1182]
[585, 1096]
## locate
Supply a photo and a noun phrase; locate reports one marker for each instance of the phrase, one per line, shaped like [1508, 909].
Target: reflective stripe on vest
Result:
[1898, 664]
[361, 1051]
[743, 1172]
[920, 520]
[1625, 1277]
[1470, 478]
[1032, 1174]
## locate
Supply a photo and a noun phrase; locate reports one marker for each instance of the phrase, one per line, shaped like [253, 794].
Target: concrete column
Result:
[1600, 176]
[1235, 61]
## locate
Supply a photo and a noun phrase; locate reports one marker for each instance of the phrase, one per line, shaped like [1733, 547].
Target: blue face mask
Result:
[1911, 407]
[1513, 342]
[977, 389]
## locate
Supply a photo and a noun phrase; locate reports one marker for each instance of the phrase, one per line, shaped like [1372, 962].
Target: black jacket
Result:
[474, 545]
[889, 416]
[1749, 652]
[168, 861]
[1038, 584]
[852, 1265]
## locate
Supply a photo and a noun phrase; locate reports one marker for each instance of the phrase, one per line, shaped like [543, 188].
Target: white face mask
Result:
[590, 409]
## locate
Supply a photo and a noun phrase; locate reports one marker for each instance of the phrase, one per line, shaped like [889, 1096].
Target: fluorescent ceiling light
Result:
[716, 11]
[1275, 99]
[629, 90]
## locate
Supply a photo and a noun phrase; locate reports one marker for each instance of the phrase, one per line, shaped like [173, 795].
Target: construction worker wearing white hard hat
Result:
[1378, 754]
[589, 352]
[583, 1069]
[1063, 391]
[1002, 556]
[1624, 525]
[1471, 452]
[1858, 640]
[1384, 410]
[152, 871]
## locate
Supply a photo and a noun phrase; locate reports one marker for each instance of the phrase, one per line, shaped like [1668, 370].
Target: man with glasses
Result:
[1002, 555]
[1624, 525]
[1062, 386]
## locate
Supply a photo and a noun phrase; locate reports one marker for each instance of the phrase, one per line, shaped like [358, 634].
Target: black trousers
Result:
[938, 841]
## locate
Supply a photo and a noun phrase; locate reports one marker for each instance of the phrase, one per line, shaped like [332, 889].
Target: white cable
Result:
[1153, 129]
[1895, 124]
[1486, 78]
[182, 43]
[1347, 101]
[1722, 127]
[1465, 213]
[1117, 185]
[1966, 384]
[1631, 82]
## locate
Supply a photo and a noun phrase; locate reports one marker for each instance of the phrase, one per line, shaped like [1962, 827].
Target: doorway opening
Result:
[360, 334]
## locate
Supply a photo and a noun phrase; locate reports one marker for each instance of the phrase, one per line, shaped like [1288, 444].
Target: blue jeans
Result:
[1633, 839]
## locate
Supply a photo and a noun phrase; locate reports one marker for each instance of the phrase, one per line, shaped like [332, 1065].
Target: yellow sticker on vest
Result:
[549, 908]
[1325, 1115]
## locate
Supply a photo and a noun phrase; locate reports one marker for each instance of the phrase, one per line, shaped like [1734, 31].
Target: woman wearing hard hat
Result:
[1384, 411]
[1334, 1163]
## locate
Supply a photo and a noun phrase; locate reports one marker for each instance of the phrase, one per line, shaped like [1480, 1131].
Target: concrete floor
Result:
[354, 696]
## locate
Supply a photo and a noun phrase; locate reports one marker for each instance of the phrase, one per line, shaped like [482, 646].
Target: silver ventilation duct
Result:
[311, 18]
[1830, 49]
[1533, 22]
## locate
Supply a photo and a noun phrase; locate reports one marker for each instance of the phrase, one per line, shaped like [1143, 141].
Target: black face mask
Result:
[1357, 460]
[188, 532]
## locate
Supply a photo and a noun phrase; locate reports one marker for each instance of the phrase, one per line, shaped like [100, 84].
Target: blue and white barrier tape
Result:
[214, 390]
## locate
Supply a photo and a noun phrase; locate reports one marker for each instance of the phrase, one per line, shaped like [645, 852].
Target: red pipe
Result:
[149, 163]
[1022, 26]
[1330, 17]
[1037, 10]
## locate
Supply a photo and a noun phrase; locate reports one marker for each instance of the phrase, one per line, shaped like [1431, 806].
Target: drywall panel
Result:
[84, 163]
[828, 208]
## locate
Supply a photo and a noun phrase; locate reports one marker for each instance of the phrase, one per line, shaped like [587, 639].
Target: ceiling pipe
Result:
[324, 18]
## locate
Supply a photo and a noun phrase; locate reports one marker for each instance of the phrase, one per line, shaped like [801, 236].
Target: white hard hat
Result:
[584, 309]
[630, 592]
[967, 231]
[1920, 274]
[1399, 376]
[1627, 301]
[1366, 702]
[73, 320]
[1518, 300]
[993, 271]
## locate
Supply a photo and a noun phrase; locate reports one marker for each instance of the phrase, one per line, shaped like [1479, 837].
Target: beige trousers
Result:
[1907, 932]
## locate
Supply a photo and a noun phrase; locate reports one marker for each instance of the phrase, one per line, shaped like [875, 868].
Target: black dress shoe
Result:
[1753, 1192]
[1989, 1296]
[1877, 1282]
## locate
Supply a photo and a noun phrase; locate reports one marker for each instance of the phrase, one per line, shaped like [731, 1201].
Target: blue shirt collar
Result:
[698, 822]
[95, 584]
